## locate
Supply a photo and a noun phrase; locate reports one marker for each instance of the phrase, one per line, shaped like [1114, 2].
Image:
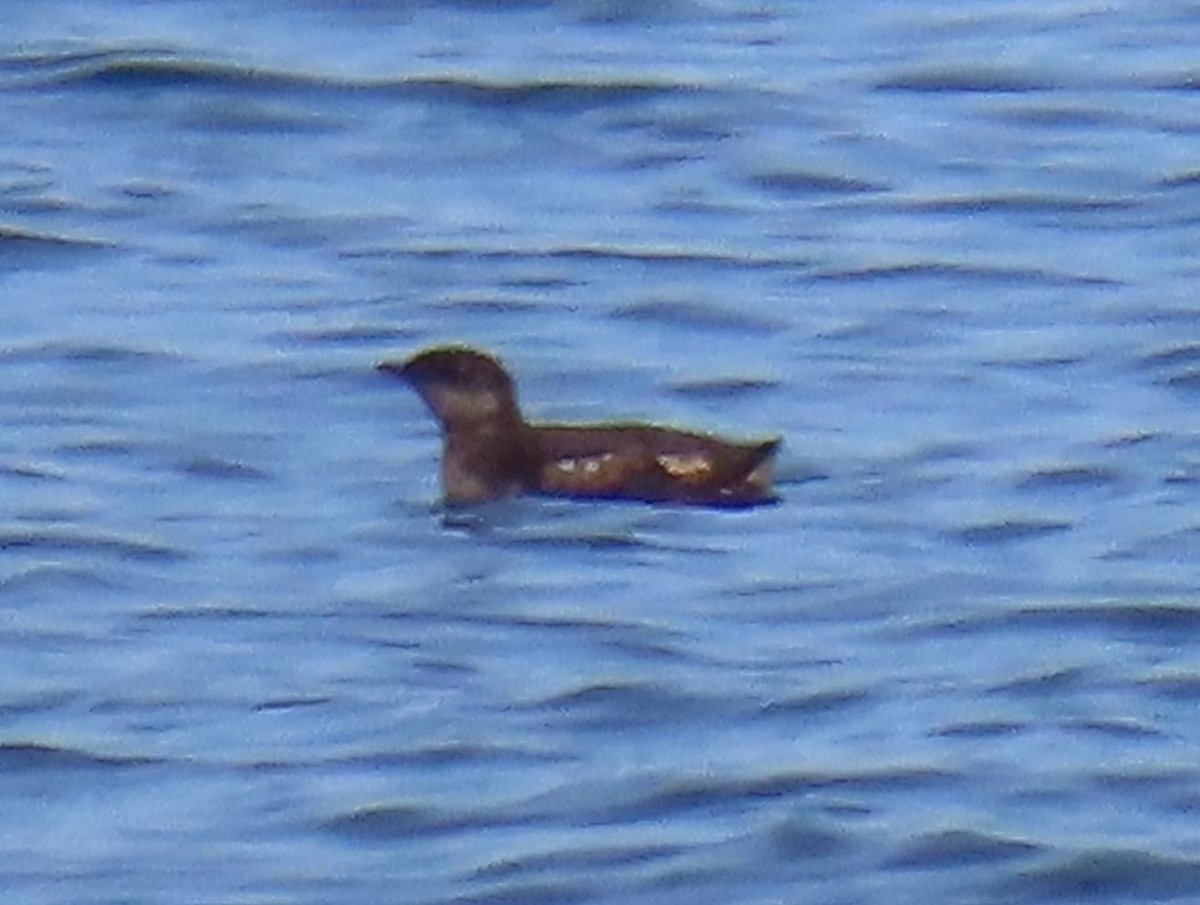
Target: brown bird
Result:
[489, 451]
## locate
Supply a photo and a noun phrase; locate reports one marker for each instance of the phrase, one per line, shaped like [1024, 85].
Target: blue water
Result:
[948, 250]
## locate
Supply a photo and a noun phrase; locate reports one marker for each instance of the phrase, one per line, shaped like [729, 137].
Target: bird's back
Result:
[653, 463]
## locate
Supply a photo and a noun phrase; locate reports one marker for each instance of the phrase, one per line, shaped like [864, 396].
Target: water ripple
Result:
[955, 848]
[1168, 620]
[55, 579]
[698, 316]
[585, 859]
[16, 757]
[798, 182]
[1011, 530]
[1069, 476]
[971, 273]
[671, 797]
[221, 469]
[1119, 874]
[381, 823]
[980, 80]
[21, 249]
[137, 70]
[68, 541]
[602, 253]
[606, 706]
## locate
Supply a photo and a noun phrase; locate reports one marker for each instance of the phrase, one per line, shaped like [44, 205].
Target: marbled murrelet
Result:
[489, 451]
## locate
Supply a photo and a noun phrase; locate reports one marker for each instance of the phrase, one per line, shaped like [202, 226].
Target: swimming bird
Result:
[489, 451]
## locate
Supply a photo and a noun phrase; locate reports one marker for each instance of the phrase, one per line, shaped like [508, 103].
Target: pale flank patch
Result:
[588, 465]
[763, 476]
[691, 467]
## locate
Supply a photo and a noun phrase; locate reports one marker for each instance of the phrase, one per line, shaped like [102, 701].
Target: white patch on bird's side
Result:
[763, 476]
[589, 465]
[684, 466]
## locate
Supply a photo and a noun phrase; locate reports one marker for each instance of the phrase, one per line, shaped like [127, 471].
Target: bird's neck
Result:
[486, 460]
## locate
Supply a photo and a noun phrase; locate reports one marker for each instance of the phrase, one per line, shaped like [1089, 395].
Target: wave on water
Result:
[724, 388]
[54, 579]
[22, 249]
[672, 796]
[1060, 477]
[69, 541]
[955, 848]
[16, 756]
[1010, 530]
[799, 182]
[165, 69]
[144, 68]
[988, 80]
[84, 352]
[399, 821]
[1176, 366]
[1117, 875]
[972, 273]
[1166, 619]
[1024, 203]
[698, 315]
[623, 706]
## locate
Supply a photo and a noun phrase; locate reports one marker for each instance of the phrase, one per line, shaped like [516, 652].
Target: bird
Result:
[490, 452]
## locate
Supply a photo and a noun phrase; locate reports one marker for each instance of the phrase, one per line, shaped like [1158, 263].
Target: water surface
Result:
[946, 250]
